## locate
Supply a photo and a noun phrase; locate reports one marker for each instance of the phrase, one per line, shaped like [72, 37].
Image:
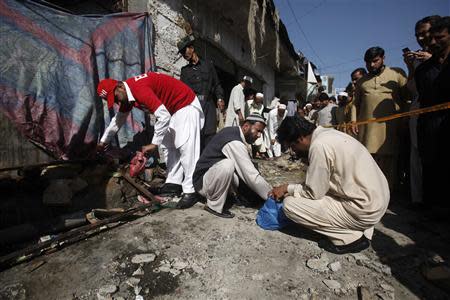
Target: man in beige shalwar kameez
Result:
[380, 93]
[345, 193]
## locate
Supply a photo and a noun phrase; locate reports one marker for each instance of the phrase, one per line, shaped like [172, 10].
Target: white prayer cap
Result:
[281, 106]
[343, 94]
[256, 118]
[260, 95]
[247, 78]
[308, 105]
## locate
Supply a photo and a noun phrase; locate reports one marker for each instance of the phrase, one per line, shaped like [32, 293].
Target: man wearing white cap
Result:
[255, 106]
[225, 162]
[344, 112]
[236, 105]
[276, 116]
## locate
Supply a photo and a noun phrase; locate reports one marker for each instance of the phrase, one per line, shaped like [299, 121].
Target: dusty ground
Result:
[192, 254]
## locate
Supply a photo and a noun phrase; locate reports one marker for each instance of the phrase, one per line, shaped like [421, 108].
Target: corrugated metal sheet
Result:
[16, 150]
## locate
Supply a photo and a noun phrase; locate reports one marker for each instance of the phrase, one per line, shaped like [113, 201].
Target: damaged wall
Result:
[250, 36]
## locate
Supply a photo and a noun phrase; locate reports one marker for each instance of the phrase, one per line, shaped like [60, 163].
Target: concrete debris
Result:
[332, 284]
[359, 257]
[143, 258]
[258, 277]
[13, 291]
[107, 289]
[137, 290]
[139, 272]
[133, 281]
[179, 265]
[385, 296]
[318, 264]
[387, 287]
[364, 293]
[375, 266]
[335, 266]
[174, 272]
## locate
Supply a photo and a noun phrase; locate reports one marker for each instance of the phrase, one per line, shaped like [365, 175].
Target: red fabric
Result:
[153, 89]
[137, 164]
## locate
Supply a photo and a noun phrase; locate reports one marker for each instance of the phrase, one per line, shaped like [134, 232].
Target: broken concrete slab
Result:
[143, 258]
[335, 266]
[318, 264]
[332, 284]
[107, 289]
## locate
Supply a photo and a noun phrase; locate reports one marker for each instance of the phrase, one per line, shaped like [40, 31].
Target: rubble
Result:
[108, 289]
[318, 264]
[335, 266]
[143, 258]
[332, 284]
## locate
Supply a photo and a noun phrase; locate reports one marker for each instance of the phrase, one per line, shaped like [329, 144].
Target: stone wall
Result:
[243, 36]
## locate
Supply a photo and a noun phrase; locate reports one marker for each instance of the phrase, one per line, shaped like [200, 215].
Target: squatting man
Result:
[345, 193]
[226, 161]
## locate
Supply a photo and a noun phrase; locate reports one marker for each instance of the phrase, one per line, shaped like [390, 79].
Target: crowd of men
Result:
[351, 170]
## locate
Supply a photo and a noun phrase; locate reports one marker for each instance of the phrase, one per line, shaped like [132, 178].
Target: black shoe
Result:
[355, 247]
[187, 201]
[224, 214]
[170, 189]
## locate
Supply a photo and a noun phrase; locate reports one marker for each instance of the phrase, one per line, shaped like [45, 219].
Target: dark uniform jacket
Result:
[202, 79]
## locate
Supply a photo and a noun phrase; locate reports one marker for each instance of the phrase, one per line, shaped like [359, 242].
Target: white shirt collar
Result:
[129, 94]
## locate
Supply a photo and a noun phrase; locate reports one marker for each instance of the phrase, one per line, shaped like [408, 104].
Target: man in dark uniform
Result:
[200, 75]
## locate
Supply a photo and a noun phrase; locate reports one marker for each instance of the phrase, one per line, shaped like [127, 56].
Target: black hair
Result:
[323, 97]
[441, 24]
[373, 52]
[430, 20]
[284, 100]
[292, 128]
[333, 98]
[249, 91]
[359, 70]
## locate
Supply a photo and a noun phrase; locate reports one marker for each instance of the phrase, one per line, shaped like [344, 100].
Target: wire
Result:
[304, 34]
[312, 9]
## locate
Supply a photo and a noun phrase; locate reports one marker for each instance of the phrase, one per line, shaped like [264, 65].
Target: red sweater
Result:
[153, 89]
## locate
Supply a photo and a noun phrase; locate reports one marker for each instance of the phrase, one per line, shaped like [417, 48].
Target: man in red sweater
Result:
[179, 120]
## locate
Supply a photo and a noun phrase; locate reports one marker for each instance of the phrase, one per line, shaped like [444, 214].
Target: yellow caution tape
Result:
[414, 112]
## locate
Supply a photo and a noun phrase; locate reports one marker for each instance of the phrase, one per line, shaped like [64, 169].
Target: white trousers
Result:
[182, 142]
[327, 216]
[275, 150]
[217, 182]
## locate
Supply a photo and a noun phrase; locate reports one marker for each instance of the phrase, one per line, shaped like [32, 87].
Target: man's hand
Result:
[409, 58]
[423, 55]
[279, 192]
[354, 129]
[101, 147]
[221, 104]
[150, 149]
[273, 141]
[241, 117]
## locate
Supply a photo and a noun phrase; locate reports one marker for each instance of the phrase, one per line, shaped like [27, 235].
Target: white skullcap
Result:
[281, 106]
[343, 94]
[260, 95]
[308, 105]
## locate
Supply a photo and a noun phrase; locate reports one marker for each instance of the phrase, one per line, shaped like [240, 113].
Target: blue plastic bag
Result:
[271, 216]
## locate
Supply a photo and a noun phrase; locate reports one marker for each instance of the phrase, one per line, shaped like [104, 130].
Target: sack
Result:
[271, 215]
